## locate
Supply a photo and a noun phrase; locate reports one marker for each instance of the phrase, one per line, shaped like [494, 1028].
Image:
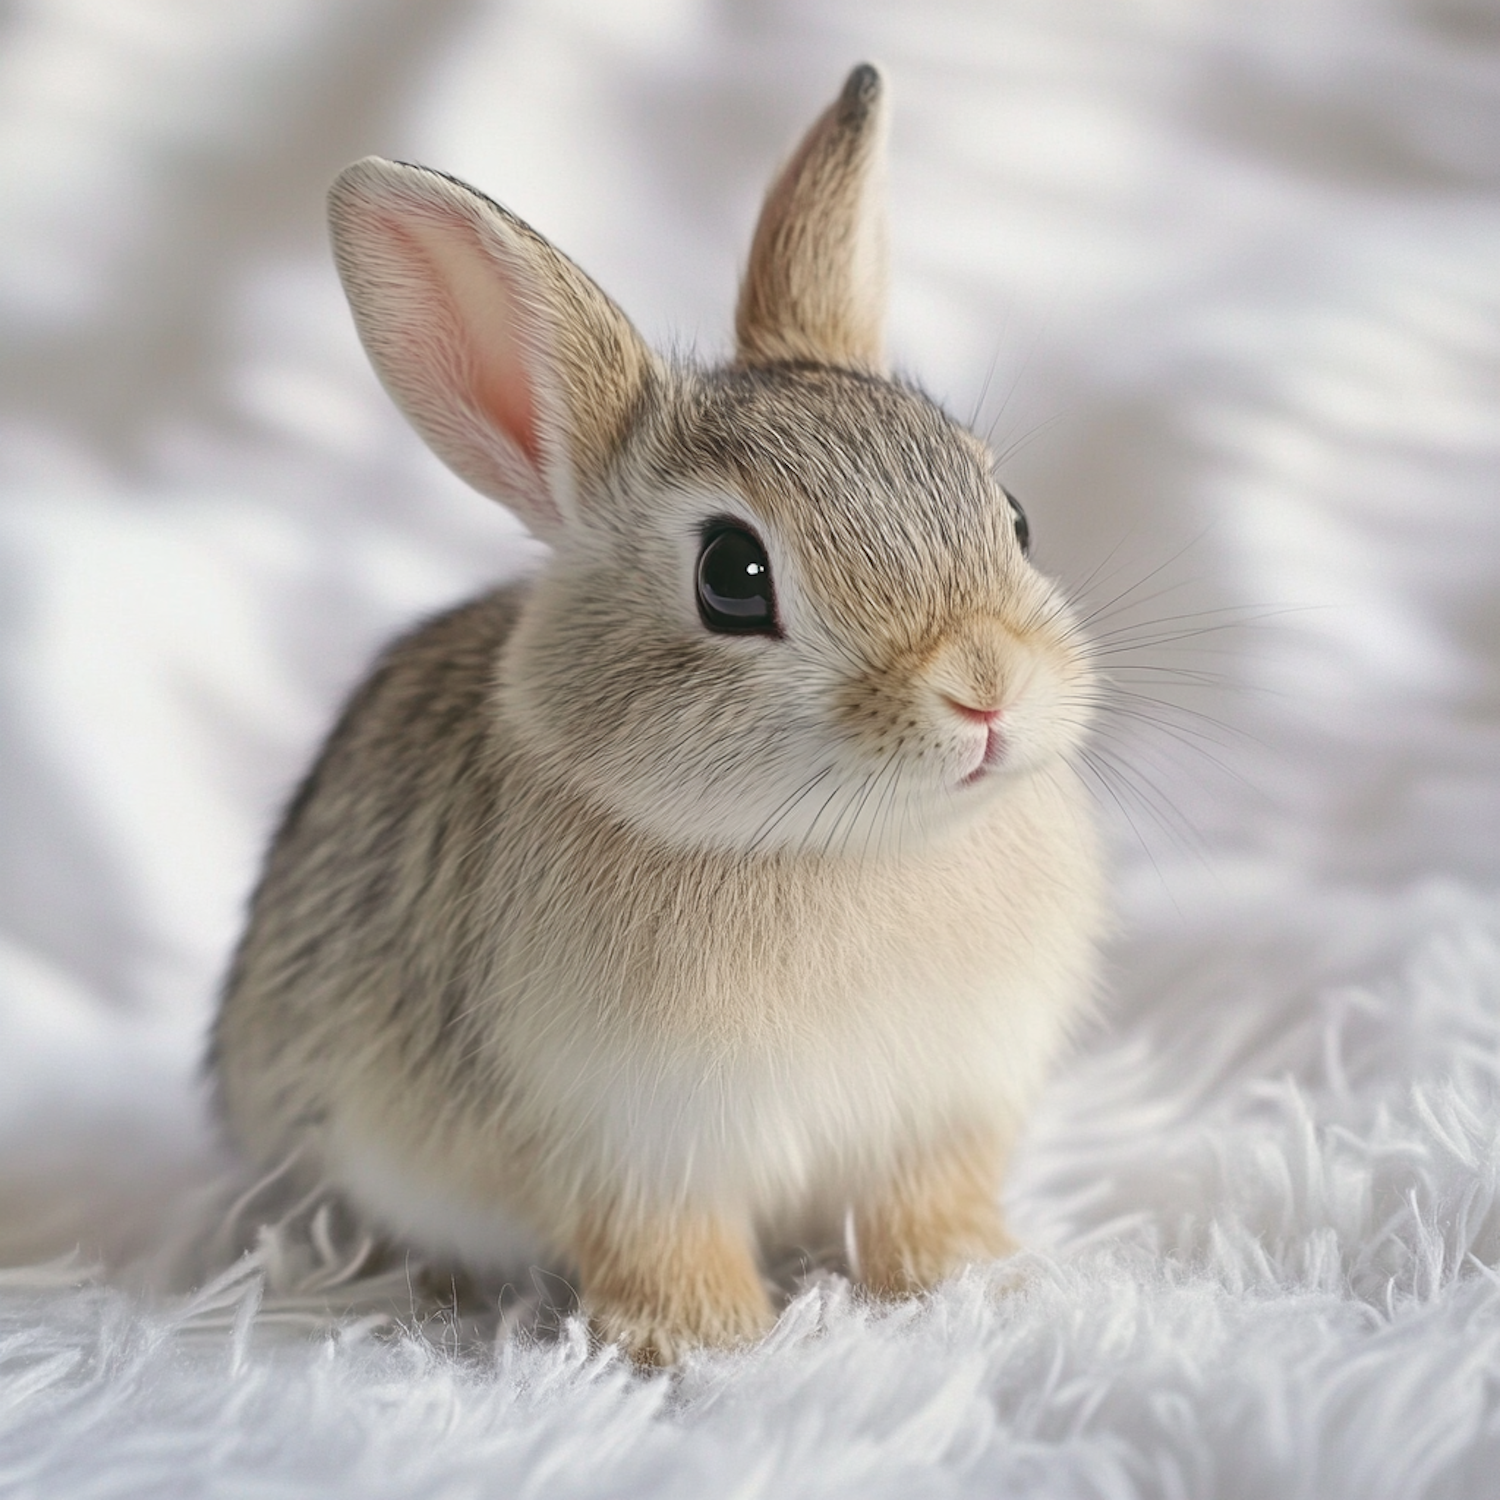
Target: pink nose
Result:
[984, 716]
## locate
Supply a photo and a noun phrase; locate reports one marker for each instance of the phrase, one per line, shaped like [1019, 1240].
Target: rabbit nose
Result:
[987, 717]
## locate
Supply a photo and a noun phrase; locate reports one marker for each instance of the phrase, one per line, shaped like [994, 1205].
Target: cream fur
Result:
[894, 1003]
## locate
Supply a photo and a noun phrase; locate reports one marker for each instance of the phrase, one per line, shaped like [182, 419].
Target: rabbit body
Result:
[500, 995]
[606, 929]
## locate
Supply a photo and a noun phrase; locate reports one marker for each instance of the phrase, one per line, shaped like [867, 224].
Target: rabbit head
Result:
[788, 605]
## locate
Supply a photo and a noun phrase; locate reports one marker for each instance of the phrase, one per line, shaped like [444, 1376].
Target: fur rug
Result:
[1220, 278]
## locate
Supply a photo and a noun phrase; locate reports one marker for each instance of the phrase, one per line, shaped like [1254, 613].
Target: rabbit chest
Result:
[690, 1027]
[750, 1031]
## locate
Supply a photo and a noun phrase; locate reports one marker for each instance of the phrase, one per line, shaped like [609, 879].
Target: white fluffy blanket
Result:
[1227, 277]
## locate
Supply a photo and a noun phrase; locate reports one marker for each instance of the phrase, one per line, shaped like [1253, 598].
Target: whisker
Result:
[785, 808]
[1152, 799]
[1015, 381]
[1182, 738]
[1110, 646]
[1120, 701]
[1098, 612]
[838, 822]
[888, 805]
[806, 840]
[1027, 438]
[1166, 674]
[1081, 588]
[1237, 614]
[1097, 772]
[890, 762]
[984, 390]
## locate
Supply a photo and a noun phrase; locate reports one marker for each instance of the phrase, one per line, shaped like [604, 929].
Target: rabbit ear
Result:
[815, 288]
[517, 370]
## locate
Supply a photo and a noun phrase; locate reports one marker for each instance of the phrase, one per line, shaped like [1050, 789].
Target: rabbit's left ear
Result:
[815, 287]
[519, 372]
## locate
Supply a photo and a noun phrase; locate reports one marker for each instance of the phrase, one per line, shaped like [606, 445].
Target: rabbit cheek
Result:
[1051, 715]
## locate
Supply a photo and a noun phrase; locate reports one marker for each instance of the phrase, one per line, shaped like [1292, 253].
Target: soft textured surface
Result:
[1229, 276]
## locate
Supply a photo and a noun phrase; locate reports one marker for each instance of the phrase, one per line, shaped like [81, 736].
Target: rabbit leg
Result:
[664, 1286]
[937, 1212]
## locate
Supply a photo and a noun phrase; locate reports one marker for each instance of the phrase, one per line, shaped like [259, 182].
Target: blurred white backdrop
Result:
[1223, 274]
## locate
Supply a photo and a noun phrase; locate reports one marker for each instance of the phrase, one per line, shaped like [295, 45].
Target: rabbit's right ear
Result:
[518, 371]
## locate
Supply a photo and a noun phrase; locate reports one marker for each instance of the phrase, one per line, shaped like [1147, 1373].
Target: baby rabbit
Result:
[728, 879]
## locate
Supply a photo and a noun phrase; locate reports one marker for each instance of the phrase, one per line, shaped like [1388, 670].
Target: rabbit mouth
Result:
[991, 722]
[989, 757]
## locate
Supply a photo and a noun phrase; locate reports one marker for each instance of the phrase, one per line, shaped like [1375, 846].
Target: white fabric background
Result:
[1229, 273]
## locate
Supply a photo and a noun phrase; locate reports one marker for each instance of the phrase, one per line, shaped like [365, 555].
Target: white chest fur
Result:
[696, 1054]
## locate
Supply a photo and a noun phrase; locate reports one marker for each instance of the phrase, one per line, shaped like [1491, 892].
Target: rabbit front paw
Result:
[938, 1213]
[675, 1284]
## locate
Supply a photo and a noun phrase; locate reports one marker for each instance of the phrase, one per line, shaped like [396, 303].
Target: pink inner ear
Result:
[485, 359]
[504, 394]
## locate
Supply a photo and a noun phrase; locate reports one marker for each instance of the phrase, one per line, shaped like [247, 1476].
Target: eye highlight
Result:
[735, 594]
[1023, 526]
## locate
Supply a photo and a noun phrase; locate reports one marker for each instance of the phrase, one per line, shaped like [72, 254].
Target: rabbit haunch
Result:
[651, 941]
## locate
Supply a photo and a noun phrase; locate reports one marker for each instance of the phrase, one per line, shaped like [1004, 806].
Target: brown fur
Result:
[814, 288]
[937, 1212]
[672, 1283]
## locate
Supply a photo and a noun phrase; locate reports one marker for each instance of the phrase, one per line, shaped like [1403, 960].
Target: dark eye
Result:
[1023, 527]
[734, 582]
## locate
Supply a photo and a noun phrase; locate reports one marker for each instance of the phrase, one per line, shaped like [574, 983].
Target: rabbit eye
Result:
[734, 582]
[1023, 526]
